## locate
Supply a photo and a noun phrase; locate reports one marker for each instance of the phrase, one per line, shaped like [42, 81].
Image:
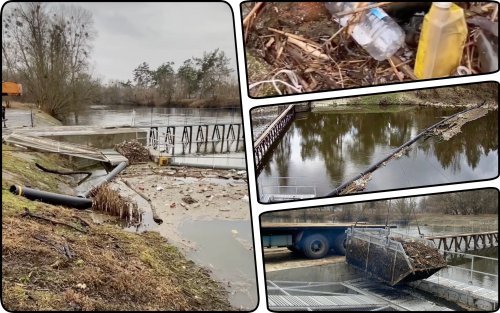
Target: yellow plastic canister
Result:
[441, 42]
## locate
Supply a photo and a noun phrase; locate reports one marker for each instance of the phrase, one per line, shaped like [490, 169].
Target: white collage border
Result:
[248, 104]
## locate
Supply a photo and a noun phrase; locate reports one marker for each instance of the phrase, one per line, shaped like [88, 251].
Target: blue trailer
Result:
[314, 240]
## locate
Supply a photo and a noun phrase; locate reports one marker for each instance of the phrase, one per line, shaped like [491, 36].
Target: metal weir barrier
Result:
[166, 138]
[268, 138]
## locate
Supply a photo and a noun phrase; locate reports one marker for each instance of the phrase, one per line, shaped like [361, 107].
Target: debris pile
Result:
[109, 201]
[452, 127]
[296, 47]
[422, 256]
[382, 256]
[134, 151]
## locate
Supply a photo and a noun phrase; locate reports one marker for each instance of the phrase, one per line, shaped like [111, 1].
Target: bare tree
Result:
[49, 47]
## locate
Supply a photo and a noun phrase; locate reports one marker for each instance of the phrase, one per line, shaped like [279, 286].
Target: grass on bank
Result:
[106, 267]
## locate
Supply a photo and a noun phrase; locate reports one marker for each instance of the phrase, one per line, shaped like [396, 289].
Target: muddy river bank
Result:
[206, 214]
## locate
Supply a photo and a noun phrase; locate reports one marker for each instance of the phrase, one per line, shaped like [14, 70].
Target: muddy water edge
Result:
[206, 215]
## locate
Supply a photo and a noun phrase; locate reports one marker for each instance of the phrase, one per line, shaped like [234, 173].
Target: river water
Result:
[325, 149]
[123, 115]
[224, 154]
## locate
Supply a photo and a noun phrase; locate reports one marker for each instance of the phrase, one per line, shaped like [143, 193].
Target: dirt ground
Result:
[276, 259]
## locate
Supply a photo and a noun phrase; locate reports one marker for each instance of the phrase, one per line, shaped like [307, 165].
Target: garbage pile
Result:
[391, 257]
[134, 151]
[297, 47]
[423, 256]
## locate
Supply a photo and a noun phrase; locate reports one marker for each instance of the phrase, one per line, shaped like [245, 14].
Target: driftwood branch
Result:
[361, 9]
[252, 13]
[27, 213]
[156, 218]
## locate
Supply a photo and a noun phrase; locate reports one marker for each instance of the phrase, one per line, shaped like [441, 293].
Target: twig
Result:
[404, 67]
[494, 15]
[310, 42]
[398, 74]
[84, 222]
[27, 213]
[334, 35]
[361, 9]
[308, 48]
[64, 248]
[252, 12]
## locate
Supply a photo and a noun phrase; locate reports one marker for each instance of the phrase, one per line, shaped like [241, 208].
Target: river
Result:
[123, 115]
[324, 149]
[223, 154]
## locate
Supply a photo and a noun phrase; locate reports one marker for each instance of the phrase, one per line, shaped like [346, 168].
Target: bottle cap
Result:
[442, 5]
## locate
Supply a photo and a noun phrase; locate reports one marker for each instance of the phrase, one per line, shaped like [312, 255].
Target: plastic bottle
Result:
[441, 42]
[375, 31]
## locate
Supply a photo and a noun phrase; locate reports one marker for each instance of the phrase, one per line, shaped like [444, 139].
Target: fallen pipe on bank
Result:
[375, 166]
[80, 202]
[51, 197]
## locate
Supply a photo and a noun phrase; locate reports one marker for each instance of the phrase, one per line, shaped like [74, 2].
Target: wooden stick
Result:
[494, 15]
[310, 42]
[252, 12]
[309, 49]
[334, 35]
[156, 218]
[84, 222]
[361, 9]
[27, 213]
[404, 67]
[398, 74]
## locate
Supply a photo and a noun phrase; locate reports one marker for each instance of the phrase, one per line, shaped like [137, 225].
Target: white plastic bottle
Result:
[376, 31]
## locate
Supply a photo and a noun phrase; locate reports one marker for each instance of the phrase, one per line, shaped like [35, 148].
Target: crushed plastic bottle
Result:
[376, 31]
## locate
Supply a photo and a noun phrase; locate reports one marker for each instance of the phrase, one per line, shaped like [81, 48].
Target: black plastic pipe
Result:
[372, 168]
[52, 198]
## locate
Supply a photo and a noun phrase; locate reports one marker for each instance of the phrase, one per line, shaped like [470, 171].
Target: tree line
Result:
[402, 211]
[47, 48]
[199, 81]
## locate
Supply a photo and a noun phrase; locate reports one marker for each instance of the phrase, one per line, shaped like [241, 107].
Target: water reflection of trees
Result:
[342, 140]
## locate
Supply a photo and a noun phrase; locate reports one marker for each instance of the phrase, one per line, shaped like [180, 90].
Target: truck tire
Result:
[316, 246]
[340, 244]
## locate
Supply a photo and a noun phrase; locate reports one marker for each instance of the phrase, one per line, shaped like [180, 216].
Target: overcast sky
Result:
[131, 33]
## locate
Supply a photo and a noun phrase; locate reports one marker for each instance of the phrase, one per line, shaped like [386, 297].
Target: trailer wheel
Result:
[340, 244]
[316, 246]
